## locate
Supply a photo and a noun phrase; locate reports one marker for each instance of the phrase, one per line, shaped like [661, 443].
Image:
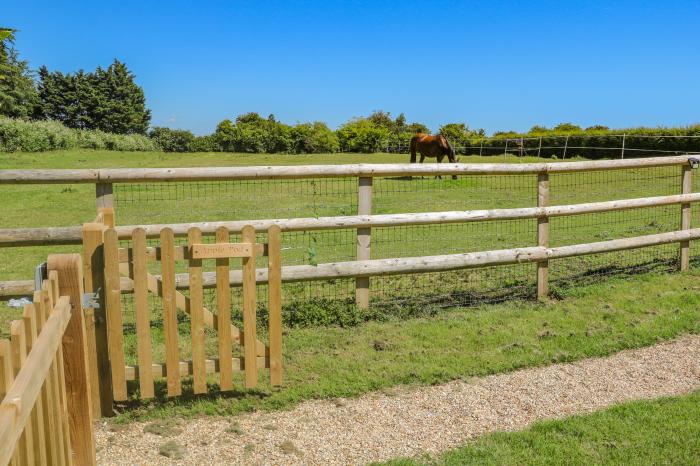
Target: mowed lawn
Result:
[665, 431]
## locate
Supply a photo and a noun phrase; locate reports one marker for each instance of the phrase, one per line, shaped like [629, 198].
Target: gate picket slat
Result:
[47, 394]
[172, 350]
[143, 320]
[223, 303]
[19, 355]
[249, 304]
[194, 236]
[115, 330]
[37, 415]
[274, 241]
[7, 376]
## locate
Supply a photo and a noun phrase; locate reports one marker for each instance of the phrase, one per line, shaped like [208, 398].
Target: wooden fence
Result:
[114, 269]
[119, 271]
[45, 413]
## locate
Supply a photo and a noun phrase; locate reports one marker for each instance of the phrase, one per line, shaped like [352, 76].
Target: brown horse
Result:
[432, 146]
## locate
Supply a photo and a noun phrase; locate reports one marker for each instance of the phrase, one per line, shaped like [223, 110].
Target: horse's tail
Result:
[414, 141]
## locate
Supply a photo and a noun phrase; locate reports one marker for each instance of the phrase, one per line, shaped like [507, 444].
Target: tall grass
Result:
[38, 136]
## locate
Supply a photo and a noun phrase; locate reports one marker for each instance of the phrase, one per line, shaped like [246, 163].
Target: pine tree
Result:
[18, 95]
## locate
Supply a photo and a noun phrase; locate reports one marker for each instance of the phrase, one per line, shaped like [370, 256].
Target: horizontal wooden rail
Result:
[147, 175]
[73, 235]
[186, 368]
[350, 269]
[407, 265]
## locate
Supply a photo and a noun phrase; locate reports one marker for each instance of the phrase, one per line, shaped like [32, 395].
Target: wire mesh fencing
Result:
[183, 202]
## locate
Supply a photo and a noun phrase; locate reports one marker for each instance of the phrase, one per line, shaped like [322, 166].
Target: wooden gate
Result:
[130, 270]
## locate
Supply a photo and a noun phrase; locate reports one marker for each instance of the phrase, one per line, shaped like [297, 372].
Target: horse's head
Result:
[451, 155]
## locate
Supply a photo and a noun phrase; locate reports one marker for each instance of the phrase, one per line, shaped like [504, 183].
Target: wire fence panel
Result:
[269, 199]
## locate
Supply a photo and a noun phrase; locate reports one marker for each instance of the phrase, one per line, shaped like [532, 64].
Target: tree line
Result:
[47, 110]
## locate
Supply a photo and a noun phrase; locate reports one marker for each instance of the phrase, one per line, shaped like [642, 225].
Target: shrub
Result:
[313, 138]
[38, 136]
[172, 140]
[362, 135]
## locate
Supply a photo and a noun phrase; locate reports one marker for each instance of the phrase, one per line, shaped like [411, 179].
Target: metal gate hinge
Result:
[92, 300]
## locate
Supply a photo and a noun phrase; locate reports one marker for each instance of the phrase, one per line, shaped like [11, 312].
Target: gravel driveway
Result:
[416, 420]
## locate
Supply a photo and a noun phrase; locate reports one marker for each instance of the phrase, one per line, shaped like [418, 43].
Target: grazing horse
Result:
[432, 146]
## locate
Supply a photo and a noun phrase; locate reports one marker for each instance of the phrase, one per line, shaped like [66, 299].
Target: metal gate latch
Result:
[92, 300]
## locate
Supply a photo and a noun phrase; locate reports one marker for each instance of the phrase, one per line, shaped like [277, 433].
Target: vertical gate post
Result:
[75, 361]
[364, 239]
[543, 235]
[686, 188]
[103, 195]
[95, 320]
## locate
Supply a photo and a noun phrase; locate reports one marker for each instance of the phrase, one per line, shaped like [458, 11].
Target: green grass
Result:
[664, 431]
[326, 362]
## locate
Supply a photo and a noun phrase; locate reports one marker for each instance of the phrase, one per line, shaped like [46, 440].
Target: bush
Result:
[313, 138]
[38, 136]
[172, 140]
[362, 135]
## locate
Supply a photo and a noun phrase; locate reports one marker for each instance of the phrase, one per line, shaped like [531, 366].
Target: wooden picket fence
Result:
[112, 267]
[45, 414]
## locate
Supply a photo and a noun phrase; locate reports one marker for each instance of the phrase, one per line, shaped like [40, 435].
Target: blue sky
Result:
[496, 65]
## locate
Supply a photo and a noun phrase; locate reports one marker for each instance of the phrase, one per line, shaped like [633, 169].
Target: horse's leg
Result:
[439, 160]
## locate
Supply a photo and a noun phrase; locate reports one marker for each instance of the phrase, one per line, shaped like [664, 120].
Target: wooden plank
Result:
[146, 175]
[57, 455]
[9, 450]
[543, 236]
[72, 235]
[686, 188]
[364, 238]
[213, 366]
[19, 356]
[115, 328]
[215, 251]
[96, 321]
[108, 216]
[73, 359]
[143, 320]
[49, 388]
[249, 309]
[37, 415]
[196, 314]
[223, 304]
[172, 350]
[274, 240]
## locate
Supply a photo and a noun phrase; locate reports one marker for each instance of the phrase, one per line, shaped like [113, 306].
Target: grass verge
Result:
[324, 362]
[664, 431]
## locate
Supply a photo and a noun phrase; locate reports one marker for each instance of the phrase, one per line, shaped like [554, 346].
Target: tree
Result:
[313, 138]
[567, 128]
[18, 95]
[172, 140]
[108, 100]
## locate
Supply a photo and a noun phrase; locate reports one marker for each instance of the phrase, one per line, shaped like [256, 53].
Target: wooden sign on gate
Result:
[222, 250]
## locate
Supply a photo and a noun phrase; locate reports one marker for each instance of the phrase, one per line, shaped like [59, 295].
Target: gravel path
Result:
[412, 421]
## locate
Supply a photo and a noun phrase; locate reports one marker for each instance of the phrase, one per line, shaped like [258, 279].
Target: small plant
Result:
[172, 450]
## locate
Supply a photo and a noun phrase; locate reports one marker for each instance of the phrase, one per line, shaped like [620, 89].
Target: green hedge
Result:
[37, 136]
[639, 142]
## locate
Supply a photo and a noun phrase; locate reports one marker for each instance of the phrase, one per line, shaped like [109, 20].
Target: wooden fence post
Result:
[543, 235]
[95, 320]
[686, 188]
[364, 239]
[103, 195]
[75, 361]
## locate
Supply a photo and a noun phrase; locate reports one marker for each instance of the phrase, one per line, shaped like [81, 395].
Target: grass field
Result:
[664, 431]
